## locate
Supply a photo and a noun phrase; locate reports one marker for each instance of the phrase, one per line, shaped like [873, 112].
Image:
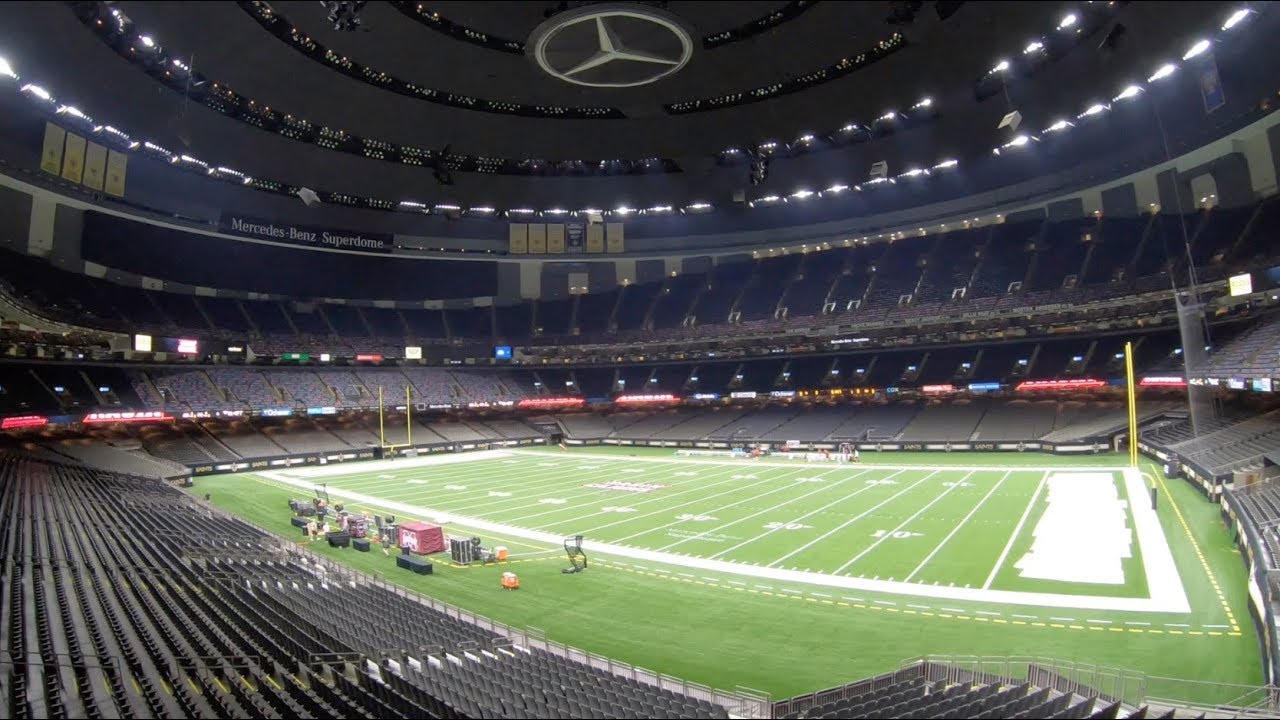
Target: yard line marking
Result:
[818, 594]
[951, 610]
[901, 525]
[855, 518]
[709, 579]
[549, 483]
[956, 529]
[730, 491]
[1135, 622]
[1016, 530]
[735, 582]
[1063, 619]
[1027, 617]
[684, 575]
[765, 587]
[1176, 625]
[1217, 626]
[885, 602]
[987, 612]
[1099, 622]
[704, 533]
[851, 599]
[771, 509]
[918, 607]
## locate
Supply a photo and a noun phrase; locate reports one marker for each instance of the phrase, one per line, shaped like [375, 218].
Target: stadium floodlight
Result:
[72, 111]
[412, 204]
[837, 188]
[624, 210]
[146, 40]
[1163, 72]
[698, 207]
[113, 131]
[482, 210]
[850, 127]
[913, 172]
[520, 211]
[1033, 46]
[802, 194]
[1069, 21]
[1059, 126]
[6, 69]
[37, 91]
[950, 163]
[193, 161]
[1128, 92]
[227, 171]
[1198, 49]
[659, 209]
[924, 103]
[1000, 67]
[590, 211]
[555, 211]
[768, 145]
[1236, 18]
[806, 138]
[447, 207]
[1093, 109]
[246, 181]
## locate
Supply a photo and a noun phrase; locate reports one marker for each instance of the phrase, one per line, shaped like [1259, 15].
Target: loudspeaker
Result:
[339, 539]
[308, 197]
[361, 544]
[880, 169]
[1011, 121]
[298, 522]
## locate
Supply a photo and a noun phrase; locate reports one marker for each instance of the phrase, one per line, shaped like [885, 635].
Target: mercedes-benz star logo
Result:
[611, 46]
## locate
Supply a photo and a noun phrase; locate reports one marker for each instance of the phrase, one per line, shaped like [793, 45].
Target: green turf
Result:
[723, 630]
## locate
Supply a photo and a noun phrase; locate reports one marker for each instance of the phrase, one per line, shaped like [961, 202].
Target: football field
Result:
[976, 553]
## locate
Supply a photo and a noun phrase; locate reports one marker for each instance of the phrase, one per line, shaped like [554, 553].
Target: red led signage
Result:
[550, 402]
[126, 417]
[1162, 382]
[24, 421]
[1069, 384]
[368, 358]
[938, 389]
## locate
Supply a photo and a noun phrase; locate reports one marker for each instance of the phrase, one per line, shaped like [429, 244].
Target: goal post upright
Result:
[1133, 404]
[382, 430]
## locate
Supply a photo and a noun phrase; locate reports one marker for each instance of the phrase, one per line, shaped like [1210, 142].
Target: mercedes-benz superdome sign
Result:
[307, 235]
[611, 45]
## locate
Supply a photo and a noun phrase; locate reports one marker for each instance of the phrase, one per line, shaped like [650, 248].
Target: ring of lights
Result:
[566, 33]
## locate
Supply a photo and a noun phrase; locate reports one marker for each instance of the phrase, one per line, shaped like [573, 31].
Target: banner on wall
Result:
[305, 235]
[575, 237]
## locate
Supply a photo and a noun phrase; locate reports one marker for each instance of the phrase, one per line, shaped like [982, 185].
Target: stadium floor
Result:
[853, 567]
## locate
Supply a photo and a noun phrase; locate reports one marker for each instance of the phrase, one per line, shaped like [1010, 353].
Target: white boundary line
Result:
[1016, 531]
[956, 529]
[1157, 560]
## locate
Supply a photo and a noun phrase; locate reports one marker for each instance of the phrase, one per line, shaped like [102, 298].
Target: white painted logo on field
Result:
[617, 509]
[742, 477]
[625, 486]
[499, 493]
[1062, 550]
[695, 518]
[685, 473]
[785, 526]
[896, 535]
[553, 501]
[882, 482]
[957, 484]
[455, 487]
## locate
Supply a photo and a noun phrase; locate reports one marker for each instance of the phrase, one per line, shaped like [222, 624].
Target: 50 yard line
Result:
[1016, 531]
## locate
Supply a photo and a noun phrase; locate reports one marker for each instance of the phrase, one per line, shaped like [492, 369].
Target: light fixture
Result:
[1034, 46]
[1093, 110]
[1198, 49]
[411, 204]
[624, 210]
[806, 138]
[146, 40]
[555, 211]
[6, 69]
[1058, 126]
[926, 102]
[1163, 72]
[37, 91]
[72, 111]
[837, 188]
[802, 194]
[482, 210]
[1069, 21]
[1128, 92]
[1001, 66]
[1236, 18]
[889, 115]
